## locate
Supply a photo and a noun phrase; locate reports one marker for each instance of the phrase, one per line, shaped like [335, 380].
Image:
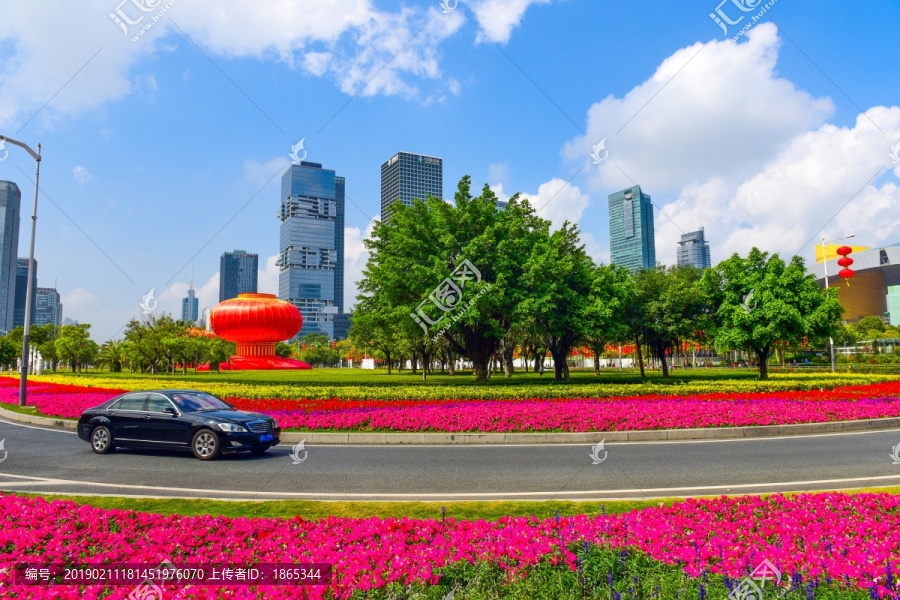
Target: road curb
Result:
[591, 437]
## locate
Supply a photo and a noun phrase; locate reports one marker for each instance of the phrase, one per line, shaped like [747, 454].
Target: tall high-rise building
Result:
[48, 309]
[632, 242]
[10, 200]
[311, 260]
[407, 176]
[693, 249]
[238, 274]
[190, 306]
[22, 291]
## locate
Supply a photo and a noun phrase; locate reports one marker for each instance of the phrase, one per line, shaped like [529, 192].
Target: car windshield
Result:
[194, 401]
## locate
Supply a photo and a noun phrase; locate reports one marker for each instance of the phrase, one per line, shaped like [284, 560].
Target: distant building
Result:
[68, 321]
[893, 304]
[10, 201]
[190, 306]
[341, 326]
[873, 291]
[631, 236]
[311, 260]
[501, 205]
[48, 309]
[693, 250]
[406, 176]
[22, 291]
[238, 274]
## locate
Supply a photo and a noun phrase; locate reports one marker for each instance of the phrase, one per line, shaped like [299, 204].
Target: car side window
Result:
[158, 403]
[132, 402]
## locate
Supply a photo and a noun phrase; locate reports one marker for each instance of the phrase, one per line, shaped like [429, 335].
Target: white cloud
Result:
[81, 175]
[78, 300]
[267, 277]
[498, 173]
[350, 40]
[267, 172]
[744, 153]
[559, 201]
[499, 17]
[355, 257]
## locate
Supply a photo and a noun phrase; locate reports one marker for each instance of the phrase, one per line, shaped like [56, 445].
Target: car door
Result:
[126, 416]
[163, 427]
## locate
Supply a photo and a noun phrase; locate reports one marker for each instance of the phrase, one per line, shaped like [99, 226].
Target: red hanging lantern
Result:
[845, 261]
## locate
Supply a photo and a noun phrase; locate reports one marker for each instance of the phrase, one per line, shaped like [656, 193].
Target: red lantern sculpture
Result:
[256, 322]
[845, 261]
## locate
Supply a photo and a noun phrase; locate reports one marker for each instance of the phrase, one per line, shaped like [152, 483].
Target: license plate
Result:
[265, 438]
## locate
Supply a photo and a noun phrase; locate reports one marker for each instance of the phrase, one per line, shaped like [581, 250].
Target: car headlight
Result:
[231, 427]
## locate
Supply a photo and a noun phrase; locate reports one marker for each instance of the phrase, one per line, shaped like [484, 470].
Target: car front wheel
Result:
[101, 440]
[205, 445]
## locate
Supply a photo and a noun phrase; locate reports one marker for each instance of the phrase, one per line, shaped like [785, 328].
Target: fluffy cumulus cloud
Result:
[730, 145]
[355, 257]
[559, 201]
[82, 58]
[498, 18]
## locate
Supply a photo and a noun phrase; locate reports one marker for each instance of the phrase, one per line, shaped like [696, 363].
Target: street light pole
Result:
[825, 265]
[29, 294]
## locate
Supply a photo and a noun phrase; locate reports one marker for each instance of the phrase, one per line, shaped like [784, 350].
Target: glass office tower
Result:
[632, 242]
[48, 309]
[238, 274]
[693, 249]
[311, 257]
[10, 201]
[22, 291]
[406, 176]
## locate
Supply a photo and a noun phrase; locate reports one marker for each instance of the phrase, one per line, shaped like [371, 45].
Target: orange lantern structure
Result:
[256, 322]
[845, 261]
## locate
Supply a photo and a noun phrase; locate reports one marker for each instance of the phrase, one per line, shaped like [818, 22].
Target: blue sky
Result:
[157, 151]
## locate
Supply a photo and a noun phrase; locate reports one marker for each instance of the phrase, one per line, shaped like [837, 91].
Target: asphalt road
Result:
[52, 461]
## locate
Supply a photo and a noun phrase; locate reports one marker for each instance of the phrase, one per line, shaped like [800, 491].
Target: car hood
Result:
[235, 416]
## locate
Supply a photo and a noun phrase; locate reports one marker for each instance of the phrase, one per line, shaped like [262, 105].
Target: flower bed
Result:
[499, 416]
[389, 390]
[854, 539]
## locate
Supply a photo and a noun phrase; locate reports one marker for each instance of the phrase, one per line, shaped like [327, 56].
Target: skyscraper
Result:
[48, 308]
[190, 307]
[238, 274]
[22, 291]
[632, 242]
[311, 260]
[10, 200]
[407, 176]
[693, 249]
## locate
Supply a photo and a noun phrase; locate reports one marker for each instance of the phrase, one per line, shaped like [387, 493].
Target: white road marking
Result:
[42, 428]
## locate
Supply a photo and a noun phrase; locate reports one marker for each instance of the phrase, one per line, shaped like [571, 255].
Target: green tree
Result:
[605, 317]
[416, 251]
[762, 300]
[284, 350]
[8, 353]
[372, 328]
[75, 346]
[112, 356]
[318, 350]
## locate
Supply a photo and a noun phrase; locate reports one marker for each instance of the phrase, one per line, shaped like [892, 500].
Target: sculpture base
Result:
[258, 363]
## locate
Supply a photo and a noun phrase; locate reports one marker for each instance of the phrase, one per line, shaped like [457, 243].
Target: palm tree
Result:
[112, 355]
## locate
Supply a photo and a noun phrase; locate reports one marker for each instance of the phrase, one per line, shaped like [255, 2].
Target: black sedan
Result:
[176, 419]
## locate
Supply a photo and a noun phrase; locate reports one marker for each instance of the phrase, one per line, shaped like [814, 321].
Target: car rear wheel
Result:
[205, 445]
[101, 440]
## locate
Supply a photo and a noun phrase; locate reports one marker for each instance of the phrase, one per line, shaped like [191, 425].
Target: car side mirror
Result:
[171, 411]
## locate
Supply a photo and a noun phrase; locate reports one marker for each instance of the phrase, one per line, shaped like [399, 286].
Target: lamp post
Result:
[29, 294]
[825, 266]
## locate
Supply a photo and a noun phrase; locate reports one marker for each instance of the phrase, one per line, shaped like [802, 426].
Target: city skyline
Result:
[673, 113]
